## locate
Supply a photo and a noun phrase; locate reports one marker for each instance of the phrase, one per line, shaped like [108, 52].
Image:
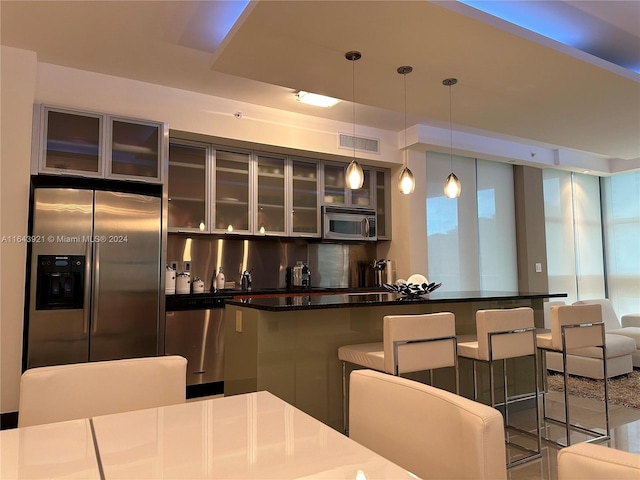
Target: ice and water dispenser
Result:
[60, 282]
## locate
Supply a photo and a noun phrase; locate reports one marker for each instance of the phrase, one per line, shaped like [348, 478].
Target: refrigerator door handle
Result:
[96, 288]
[87, 288]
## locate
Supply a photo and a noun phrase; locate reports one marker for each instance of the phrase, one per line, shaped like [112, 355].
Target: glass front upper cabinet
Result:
[334, 184]
[305, 212]
[99, 145]
[232, 195]
[187, 187]
[382, 203]
[363, 197]
[270, 215]
[135, 149]
[72, 142]
[337, 193]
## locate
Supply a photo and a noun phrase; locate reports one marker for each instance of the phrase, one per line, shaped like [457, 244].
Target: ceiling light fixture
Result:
[406, 182]
[452, 187]
[316, 99]
[354, 175]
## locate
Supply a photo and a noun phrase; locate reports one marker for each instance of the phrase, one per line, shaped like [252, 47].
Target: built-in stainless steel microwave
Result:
[340, 223]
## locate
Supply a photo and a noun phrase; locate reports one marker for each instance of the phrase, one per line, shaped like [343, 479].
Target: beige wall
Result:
[530, 229]
[17, 91]
[409, 221]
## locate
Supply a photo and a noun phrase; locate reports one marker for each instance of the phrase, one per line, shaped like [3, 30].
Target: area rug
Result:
[623, 390]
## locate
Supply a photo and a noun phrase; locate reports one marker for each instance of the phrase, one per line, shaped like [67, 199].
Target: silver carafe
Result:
[245, 280]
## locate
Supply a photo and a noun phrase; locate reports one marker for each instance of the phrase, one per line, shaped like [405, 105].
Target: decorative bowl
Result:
[412, 289]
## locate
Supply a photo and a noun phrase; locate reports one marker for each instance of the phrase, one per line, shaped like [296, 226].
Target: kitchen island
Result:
[288, 345]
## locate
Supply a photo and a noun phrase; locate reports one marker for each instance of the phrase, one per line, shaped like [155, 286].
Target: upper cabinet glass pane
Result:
[334, 184]
[232, 191]
[135, 149]
[363, 197]
[72, 142]
[187, 187]
[305, 198]
[381, 212]
[271, 193]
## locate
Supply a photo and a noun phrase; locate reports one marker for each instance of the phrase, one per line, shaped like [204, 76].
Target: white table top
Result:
[255, 435]
[55, 450]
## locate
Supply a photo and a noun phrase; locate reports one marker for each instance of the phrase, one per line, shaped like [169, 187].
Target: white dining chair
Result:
[67, 392]
[587, 461]
[433, 433]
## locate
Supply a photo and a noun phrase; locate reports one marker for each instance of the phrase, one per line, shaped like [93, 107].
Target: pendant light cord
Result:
[406, 160]
[450, 130]
[353, 102]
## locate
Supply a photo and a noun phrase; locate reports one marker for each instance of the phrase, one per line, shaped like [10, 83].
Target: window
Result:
[471, 239]
[621, 217]
[573, 234]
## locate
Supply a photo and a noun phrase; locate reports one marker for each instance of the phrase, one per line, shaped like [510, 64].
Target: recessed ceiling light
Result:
[586, 171]
[316, 100]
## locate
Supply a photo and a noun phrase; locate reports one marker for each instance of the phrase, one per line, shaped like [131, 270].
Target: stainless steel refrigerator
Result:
[94, 276]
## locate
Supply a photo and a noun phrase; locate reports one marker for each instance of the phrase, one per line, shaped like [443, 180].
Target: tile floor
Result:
[625, 434]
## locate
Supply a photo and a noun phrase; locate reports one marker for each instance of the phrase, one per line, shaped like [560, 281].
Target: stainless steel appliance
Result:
[195, 330]
[340, 223]
[94, 273]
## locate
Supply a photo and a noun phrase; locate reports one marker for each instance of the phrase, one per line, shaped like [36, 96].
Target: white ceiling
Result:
[511, 83]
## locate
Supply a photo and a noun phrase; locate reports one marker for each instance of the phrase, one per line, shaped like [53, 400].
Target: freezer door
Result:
[126, 277]
[62, 220]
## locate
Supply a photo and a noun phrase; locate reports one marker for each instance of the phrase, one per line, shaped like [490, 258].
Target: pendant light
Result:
[354, 175]
[406, 182]
[452, 187]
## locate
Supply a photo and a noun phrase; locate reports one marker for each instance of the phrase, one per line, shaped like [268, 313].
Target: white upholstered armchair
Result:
[622, 348]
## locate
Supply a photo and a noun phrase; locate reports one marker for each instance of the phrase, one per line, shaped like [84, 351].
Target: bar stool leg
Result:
[345, 428]
[506, 392]
[566, 396]
[475, 381]
[455, 360]
[537, 401]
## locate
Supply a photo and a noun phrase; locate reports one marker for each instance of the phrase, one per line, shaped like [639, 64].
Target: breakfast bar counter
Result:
[288, 345]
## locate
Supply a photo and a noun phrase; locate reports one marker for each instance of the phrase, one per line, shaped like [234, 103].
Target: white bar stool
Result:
[410, 343]
[573, 327]
[503, 334]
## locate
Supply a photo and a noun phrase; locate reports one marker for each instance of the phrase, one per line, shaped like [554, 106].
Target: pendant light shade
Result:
[354, 175]
[406, 181]
[452, 187]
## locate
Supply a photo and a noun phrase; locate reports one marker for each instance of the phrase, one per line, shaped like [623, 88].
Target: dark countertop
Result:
[370, 299]
[194, 301]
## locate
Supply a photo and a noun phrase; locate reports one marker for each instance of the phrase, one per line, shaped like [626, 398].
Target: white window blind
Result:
[621, 214]
[471, 239]
[573, 235]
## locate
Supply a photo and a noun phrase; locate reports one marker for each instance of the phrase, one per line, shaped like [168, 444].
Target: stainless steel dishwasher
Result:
[195, 330]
